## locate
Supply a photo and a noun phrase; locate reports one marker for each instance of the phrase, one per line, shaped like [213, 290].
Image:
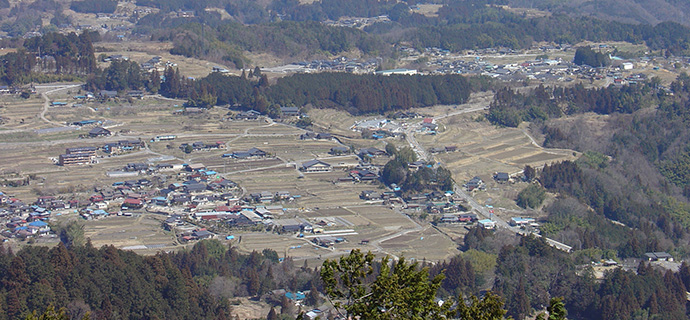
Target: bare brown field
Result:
[429, 10]
[335, 121]
[427, 244]
[386, 218]
[485, 149]
[245, 308]
[249, 242]
[142, 51]
[21, 114]
[126, 232]
[527, 13]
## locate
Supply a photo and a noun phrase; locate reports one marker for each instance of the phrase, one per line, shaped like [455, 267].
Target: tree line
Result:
[510, 107]
[61, 57]
[633, 170]
[357, 94]
[226, 40]
[423, 179]
[94, 6]
[108, 283]
[531, 272]
[288, 28]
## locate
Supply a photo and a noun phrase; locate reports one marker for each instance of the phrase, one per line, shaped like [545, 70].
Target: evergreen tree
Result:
[520, 305]
[272, 315]
[490, 307]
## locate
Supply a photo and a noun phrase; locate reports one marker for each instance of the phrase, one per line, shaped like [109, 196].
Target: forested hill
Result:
[293, 29]
[109, 283]
[630, 11]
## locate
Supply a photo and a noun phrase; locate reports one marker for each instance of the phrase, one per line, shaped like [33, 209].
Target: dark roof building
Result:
[339, 150]
[99, 132]
[371, 152]
[289, 111]
[502, 177]
[315, 166]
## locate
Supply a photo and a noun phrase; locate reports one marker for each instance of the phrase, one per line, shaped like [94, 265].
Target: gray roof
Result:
[314, 162]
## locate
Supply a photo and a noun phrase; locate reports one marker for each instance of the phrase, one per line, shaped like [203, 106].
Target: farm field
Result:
[484, 149]
[141, 233]
[383, 230]
[140, 51]
[321, 200]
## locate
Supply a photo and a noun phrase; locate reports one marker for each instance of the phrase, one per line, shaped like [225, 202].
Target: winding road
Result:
[482, 210]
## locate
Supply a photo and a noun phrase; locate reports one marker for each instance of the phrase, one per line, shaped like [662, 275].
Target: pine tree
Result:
[520, 305]
[490, 307]
[286, 307]
[272, 315]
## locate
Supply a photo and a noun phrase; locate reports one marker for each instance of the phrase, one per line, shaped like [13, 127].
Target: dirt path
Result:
[46, 102]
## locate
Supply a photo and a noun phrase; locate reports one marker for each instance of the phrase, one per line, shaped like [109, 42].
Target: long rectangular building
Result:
[89, 150]
[75, 158]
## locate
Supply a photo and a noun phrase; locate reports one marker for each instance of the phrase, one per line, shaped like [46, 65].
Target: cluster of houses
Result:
[435, 202]
[103, 95]
[6, 90]
[201, 189]
[544, 69]
[88, 155]
[23, 221]
[342, 64]
[378, 128]
[23, 229]
[358, 22]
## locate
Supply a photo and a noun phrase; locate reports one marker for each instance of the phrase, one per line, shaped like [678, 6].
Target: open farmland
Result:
[383, 230]
[319, 198]
[143, 51]
[485, 149]
[20, 114]
[141, 233]
[426, 244]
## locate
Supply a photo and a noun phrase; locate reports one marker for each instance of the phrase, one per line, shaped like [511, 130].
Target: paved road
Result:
[482, 210]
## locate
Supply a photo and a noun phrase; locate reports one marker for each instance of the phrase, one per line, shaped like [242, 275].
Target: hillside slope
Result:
[631, 11]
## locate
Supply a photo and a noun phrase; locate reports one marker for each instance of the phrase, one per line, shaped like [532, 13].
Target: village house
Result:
[194, 187]
[474, 183]
[339, 150]
[289, 225]
[253, 153]
[310, 135]
[370, 152]
[315, 166]
[502, 177]
[290, 111]
[131, 203]
[248, 115]
[364, 175]
[123, 146]
[487, 224]
[658, 256]
[325, 241]
[521, 221]
[99, 132]
[107, 94]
